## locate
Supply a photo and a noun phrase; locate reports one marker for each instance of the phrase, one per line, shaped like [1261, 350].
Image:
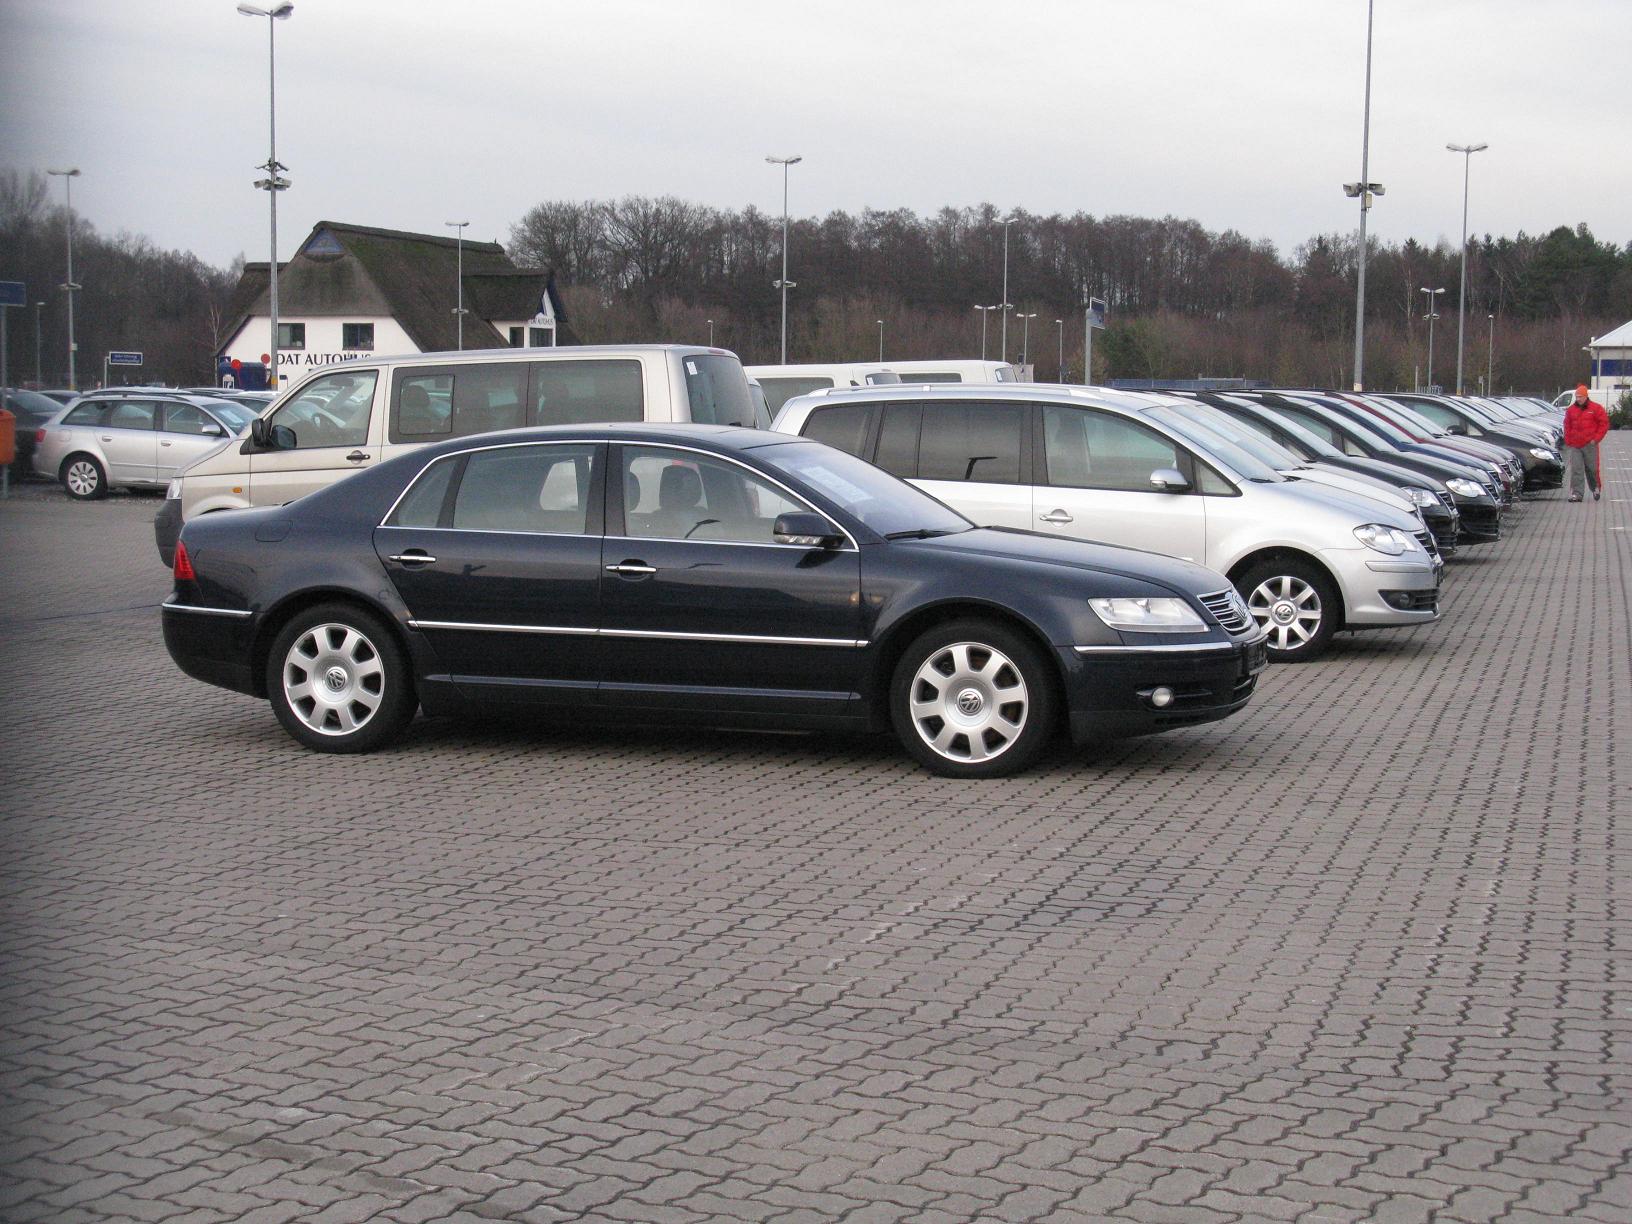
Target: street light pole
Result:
[881, 341]
[1490, 358]
[1060, 373]
[1006, 224]
[784, 284]
[1433, 313]
[68, 177]
[39, 380]
[459, 310]
[274, 181]
[985, 313]
[1364, 190]
[1467, 152]
[711, 333]
[1025, 335]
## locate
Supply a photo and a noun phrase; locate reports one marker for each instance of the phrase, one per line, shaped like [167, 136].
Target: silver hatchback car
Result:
[133, 438]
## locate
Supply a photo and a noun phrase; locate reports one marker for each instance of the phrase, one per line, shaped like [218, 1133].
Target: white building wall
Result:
[323, 336]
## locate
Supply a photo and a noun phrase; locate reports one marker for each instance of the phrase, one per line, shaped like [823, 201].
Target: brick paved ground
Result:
[1358, 954]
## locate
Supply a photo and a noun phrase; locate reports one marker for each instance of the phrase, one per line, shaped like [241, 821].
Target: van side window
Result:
[457, 401]
[973, 442]
[845, 427]
[580, 392]
[779, 391]
[331, 411]
[898, 440]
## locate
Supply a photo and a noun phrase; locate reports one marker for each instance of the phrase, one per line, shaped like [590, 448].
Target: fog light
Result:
[1162, 697]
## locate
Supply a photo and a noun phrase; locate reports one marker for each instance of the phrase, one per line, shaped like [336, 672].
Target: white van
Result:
[783, 382]
[351, 416]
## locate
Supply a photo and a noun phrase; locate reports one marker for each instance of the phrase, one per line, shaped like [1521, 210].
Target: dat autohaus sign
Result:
[286, 358]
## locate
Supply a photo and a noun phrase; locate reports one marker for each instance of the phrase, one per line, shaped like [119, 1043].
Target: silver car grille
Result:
[1228, 610]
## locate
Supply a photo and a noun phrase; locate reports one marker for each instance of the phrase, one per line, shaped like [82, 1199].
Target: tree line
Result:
[1184, 301]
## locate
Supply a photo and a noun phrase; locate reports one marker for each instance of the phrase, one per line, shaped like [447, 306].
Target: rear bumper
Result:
[1111, 690]
[167, 530]
[212, 645]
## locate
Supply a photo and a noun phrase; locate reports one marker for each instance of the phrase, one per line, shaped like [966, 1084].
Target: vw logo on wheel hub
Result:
[1283, 612]
[335, 678]
[970, 703]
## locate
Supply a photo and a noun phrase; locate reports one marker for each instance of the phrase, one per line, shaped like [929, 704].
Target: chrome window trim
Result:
[176, 607]
[746, 638]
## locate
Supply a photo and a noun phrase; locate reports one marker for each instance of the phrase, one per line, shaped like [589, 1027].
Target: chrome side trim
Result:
[175, 607]
[662, 635]
[1164, 648]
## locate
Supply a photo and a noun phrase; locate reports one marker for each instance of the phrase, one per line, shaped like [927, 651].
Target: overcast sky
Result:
[1242, 114]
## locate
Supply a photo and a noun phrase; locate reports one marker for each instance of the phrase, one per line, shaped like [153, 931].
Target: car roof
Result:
[451, 356]
[1060, 393]
[166, 393]
[714, 437]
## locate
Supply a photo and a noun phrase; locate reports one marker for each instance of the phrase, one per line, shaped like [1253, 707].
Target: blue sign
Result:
[124, 359]
[13, 293]
[1096, 312]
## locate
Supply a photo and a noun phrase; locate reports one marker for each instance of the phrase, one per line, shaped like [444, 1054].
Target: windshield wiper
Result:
[920, 533]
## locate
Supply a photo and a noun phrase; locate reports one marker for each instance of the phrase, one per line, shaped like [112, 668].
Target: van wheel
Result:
[971, 699]
[1295, 604]
[338, 681]
[83, 479]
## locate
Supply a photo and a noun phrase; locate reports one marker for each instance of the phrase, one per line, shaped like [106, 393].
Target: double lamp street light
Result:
[274, 181]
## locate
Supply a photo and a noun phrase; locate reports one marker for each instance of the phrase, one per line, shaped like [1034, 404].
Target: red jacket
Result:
[1585, 423]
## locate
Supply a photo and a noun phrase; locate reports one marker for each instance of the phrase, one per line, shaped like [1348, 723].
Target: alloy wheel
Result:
[1288, 609]
[82, 478]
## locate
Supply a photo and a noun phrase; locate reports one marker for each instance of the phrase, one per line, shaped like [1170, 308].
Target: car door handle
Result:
[414, 557]
[1056, 516]
[162, 442]
[356, 456]
[635, 568]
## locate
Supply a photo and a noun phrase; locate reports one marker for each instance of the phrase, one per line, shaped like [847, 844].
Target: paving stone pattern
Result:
[1358, 954]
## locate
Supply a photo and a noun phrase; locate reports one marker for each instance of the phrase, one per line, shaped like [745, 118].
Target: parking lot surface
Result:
[1360, 953]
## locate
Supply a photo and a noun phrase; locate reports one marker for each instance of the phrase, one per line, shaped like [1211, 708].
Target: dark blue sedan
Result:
[668, 574]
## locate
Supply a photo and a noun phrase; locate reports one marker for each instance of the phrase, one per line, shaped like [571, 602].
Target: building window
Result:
[518, 337]
[357, 336]
[540, 337]
[291, 335]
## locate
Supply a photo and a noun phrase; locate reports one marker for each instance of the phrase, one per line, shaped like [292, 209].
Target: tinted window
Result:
[543, 489]
[718, 391]
[844, 426]
[898, 440]
[975, 442]
[779, 391]
[680, 495]
[331, 411]
[423, 503]
[85, 414]
[1093, 450]
[131, 414]
[885, 504]
[578, 392]
[457, 401]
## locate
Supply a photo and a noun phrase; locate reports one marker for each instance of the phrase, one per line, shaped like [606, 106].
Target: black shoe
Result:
[1597, 494]
[1573, 499]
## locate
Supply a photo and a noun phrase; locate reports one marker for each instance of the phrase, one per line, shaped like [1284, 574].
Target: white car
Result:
[1123, 468]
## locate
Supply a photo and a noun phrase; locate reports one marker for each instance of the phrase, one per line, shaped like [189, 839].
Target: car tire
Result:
[338, 681]
[82, 478]
[973, 699]
[1295, 603]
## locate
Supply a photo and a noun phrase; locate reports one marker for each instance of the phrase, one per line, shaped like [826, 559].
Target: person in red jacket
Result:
[1585, 424]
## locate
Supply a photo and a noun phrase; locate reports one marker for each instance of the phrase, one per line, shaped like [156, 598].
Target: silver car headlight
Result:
[1156, 615]
[1463, 487]
[1421, 497]
[172, 491]
[1541, 452]
[1384, 539]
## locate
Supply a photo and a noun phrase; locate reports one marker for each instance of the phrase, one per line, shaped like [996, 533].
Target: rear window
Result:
[844, 427]
[779, 391]
[717, 391]
[972, 442]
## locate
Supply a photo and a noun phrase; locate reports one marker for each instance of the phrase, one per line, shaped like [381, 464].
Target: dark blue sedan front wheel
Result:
[973, 699]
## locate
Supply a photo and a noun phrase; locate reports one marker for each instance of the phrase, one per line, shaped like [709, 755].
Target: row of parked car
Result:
[975, 565]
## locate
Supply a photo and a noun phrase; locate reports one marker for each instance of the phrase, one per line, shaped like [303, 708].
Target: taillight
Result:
[39, 435]
[183, 567]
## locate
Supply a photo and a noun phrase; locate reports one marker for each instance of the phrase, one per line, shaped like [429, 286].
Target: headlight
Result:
[1421, 497]
[173, 489]
[1148, 615]
[1542, 453]
[1384, 539]
[1463, 487]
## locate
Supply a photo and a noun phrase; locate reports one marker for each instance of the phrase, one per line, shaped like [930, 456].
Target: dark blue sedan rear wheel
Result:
[338, 681]
[973, 699]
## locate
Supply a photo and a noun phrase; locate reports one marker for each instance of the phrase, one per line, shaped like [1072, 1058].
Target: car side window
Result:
[972, 442]
[845, 426]
[679, 495]
[425, 503]
[898, 440]
[86, 414]
[1086, 449]
[185, 419]
[132, 414]
[331, 411]
[538, 489]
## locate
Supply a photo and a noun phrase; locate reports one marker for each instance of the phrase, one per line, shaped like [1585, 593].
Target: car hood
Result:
[1131, 563]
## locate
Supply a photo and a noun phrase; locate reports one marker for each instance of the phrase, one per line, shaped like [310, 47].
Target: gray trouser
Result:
[1581, 464]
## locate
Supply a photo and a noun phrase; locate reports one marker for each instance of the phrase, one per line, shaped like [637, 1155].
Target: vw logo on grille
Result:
[970, 702]
[335, 678]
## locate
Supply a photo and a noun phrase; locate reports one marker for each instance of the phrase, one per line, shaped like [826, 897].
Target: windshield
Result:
[1409, 418]
[718, 391]
[1214, 445]
[1309, 445]
[1264, 448]
[1376, 424]
[1344, 423]
[888, 506]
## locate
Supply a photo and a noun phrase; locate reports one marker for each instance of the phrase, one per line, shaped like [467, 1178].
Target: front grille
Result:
[1450, 502]
[1228, 610]
[1426, 539]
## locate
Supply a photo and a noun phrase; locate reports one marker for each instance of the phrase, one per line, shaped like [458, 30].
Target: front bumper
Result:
[167, 530]
[1110, 690]
[1481, 520]
[1380, 591]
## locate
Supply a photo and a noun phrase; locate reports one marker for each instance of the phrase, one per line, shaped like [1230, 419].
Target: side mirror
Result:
[257, 432]
[281, 437]
[1168, 480]
[214, 431]
[806, 530]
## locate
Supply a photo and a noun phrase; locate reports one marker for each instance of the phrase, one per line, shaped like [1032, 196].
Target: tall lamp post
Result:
[1364, 190]
[68, 286]
[459, 310]
[1060, 373]
[1490, 358]
[1433, 313]
[39, 380]
[1005, 304]
[785, 284]
[1467, 152]
[711, 333]
[985, 313]
[274, 181]
[1025, 335]
[881, 341]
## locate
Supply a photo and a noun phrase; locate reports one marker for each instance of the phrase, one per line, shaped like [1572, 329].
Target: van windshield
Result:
[718, 392]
